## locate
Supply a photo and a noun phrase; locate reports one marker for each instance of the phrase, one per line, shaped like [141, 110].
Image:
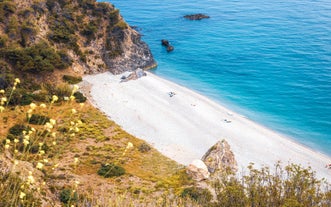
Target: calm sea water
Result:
[268, 60]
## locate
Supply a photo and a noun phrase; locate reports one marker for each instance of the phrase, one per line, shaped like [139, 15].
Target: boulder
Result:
[196, 16]
[198, 170]
[219, 159]
[165, 42]
[170, 48]
[134, 75]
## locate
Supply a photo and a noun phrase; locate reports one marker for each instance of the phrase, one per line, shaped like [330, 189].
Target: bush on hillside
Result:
[38, 119]
[111, 170]
[200, 195]
[68, 196]
[79, 97]
[35, 59]
[72, 79]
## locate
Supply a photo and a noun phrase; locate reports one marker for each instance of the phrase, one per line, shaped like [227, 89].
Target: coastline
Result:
[185, 125]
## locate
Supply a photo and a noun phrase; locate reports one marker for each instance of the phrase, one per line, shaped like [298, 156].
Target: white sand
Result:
[185, 126]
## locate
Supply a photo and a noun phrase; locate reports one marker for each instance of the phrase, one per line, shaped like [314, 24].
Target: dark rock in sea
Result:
[165, 42]
[170, 48]
[196, 16]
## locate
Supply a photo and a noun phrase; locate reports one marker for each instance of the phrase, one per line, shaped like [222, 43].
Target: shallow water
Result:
[270, 61]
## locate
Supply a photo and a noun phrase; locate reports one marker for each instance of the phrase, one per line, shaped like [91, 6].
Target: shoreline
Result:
[184, 125]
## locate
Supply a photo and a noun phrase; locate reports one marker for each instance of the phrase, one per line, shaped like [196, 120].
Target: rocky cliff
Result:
[81, 36]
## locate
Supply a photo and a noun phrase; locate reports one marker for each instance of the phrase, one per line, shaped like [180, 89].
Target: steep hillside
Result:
[75, 36]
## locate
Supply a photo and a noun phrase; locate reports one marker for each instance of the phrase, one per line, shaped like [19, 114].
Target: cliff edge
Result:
[81, 36]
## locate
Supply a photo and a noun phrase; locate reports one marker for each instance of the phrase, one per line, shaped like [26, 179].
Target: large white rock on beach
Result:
[219, 158]
[198, 170]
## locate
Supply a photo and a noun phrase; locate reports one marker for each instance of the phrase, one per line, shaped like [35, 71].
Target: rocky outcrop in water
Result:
[167, 45]
[196, 16]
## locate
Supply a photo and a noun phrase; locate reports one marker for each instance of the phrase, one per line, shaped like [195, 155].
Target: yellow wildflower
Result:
[54, 98]
[52, 121]
[22, 195]
[2, 91]
[76, 87]
[33, 106]
[40, 165]
[2, 109]
[73, 111]
[16, 140]
[7, 141]
[31, 179]
[54, 143]
[43, 105]
[72, 98]
[17, 80]
[129, 146]
[26, 142]
[7, 146]
[76, 160]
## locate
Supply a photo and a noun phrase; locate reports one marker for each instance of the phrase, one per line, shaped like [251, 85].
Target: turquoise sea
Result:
[267, 60]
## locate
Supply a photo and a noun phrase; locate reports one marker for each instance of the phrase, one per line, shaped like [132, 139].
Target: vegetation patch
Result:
[38, 119]
[72, 79]
[111, 170]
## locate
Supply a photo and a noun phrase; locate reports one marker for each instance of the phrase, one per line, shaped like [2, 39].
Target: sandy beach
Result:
[183, 125]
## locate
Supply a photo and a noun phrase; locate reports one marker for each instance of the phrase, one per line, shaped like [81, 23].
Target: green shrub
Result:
[144, 147]
[79, 97]
[35, 59]
[18, 129]
[111, 170]
[200, 195]
[68, 196]
[3, 41]
[38, 119]
[26, 99]
[72, 79]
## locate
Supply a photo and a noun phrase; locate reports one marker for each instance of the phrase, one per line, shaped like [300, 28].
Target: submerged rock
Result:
[220, 159]
[198, 170]
[196, 16]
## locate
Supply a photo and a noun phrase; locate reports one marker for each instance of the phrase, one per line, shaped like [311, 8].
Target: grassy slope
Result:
[98, 141]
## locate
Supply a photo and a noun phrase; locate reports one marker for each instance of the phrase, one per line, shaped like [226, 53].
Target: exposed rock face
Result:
[89, 36]
[196, 16]
[220, 158]
[198, 170]
[135, 53]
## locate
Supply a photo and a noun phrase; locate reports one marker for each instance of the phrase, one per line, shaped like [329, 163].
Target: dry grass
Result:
[84, 140]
